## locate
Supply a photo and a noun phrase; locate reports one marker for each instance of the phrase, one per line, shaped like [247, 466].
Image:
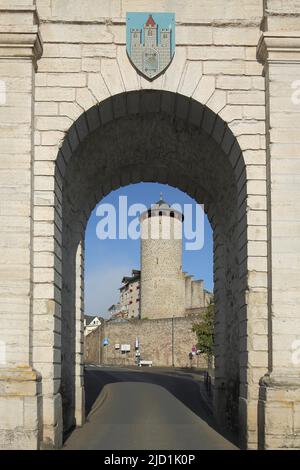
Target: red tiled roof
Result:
[150, 21]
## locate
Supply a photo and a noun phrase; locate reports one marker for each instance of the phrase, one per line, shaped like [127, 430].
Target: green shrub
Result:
[205, 331]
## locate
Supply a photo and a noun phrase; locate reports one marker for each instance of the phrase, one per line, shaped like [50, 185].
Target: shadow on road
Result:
[181, 384]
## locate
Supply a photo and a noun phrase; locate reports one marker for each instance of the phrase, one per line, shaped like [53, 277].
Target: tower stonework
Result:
[150, 31]
[162, 286]
[135, 38]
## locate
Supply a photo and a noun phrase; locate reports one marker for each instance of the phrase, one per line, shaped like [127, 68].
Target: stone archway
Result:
[242, 64]
[168, 138]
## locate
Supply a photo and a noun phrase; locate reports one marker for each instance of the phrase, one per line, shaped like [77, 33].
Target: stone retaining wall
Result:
[166, 342]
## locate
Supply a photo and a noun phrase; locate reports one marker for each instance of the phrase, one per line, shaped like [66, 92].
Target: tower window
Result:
[172, 214]
[160, 213]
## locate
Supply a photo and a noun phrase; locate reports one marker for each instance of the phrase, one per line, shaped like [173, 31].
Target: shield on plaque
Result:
[150, 42]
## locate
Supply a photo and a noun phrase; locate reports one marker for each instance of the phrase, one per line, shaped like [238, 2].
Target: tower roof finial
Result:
[161, 201]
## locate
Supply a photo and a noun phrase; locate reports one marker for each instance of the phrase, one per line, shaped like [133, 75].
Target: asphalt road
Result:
[133, 409]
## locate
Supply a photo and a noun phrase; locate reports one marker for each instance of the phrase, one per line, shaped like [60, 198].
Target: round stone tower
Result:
[162, 280]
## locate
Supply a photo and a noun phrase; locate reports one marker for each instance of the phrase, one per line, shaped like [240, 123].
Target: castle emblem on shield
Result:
[150, 42]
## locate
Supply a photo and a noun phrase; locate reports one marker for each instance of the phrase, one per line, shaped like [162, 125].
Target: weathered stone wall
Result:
[215, 64]
[166, 342]
[279, 50]
[91, 113]
[20, 385]
[162, 280]
[207, 108]
[166, 291]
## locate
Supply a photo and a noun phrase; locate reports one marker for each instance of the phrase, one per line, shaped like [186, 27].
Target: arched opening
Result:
[113, 252]
[152, 136]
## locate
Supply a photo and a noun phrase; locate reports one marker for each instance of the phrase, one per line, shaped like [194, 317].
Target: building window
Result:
[150, 32]
[165, 36]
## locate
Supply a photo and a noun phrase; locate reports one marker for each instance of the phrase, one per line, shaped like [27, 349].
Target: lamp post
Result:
[173, 341]
[99, 346]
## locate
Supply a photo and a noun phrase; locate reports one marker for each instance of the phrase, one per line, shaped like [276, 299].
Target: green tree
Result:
[205, 331]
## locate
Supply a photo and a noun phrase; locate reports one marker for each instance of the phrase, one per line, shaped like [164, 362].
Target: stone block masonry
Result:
[76, 114]
[166, 342]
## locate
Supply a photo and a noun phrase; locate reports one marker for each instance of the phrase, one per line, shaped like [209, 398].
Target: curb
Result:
[103, 396]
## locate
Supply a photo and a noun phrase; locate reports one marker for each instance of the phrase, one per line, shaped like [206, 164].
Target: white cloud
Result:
[101, 288]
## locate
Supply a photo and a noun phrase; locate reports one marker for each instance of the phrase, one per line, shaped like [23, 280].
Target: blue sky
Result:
[107, 261]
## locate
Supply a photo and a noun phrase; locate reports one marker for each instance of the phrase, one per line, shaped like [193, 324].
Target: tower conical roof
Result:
[161, 207]
[150, 21]
[161, 203]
